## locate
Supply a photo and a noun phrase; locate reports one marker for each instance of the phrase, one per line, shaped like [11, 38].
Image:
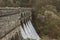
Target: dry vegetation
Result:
[46, 15]
[46, 18]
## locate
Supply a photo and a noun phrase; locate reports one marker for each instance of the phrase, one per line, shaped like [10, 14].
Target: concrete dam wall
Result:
[10, 21]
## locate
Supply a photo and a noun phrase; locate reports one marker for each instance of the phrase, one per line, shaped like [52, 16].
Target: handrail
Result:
[9, 14]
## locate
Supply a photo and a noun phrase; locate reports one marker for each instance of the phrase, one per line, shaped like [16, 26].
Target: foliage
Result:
[46, 19]
[29, 39]
[46, 13]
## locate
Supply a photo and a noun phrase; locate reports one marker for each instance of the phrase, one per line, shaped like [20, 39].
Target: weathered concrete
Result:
[10, 18]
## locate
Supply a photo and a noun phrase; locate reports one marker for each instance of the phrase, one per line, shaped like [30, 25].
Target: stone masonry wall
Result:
[10, 18]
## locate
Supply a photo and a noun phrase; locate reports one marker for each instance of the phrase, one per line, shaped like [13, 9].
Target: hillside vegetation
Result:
[46, 18]
[46, 15]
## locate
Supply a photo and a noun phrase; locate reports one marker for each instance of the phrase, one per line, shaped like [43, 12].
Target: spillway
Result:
[28, 31]
[23, 33]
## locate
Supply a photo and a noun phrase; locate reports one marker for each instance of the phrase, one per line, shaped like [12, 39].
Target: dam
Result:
[15, 24]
